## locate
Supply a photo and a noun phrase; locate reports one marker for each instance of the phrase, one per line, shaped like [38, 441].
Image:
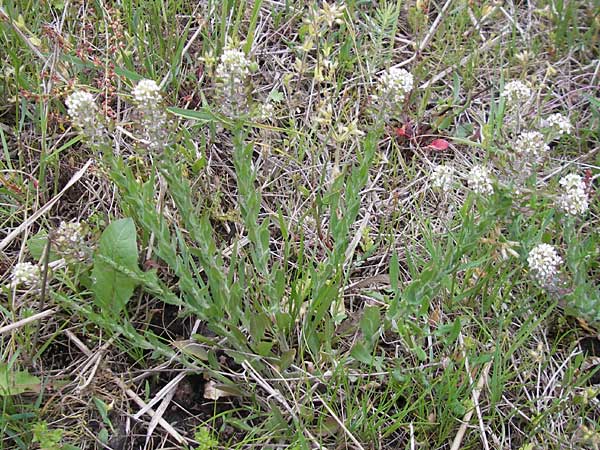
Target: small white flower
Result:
[265, 112]
[442, 177]
[392, 88]
[233, 65]
[231, 74]
[516, 92]
[83, 111]
[395, 83]
[558, 122]
[26, 274]
[147, 93]
[531, 145]
[574, 199]
[69, 241]
[544, 263]
[80, 105]
[479, 180]
[154, 125]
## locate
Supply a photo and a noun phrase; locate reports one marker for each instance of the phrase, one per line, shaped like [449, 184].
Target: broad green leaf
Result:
[370, 323]
[362, 353]
[37, 244]
[192, 348]
[16, 382]
[116, 256]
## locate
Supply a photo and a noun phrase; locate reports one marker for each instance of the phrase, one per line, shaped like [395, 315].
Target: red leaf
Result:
[401, 131]
[439, 144]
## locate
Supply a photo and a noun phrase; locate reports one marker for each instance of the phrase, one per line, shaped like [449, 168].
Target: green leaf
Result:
[37, 244]
[370, 323]
[361, 353]
[204, 115]
[103, 436]
[103, 409]
[287, 358]
[16, 382]
[276, 96]
[394, 272]
[116, 256]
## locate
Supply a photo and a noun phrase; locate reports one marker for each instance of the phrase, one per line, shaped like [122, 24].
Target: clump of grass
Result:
[363, 238]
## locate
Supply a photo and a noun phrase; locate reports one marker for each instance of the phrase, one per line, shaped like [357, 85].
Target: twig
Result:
[463, 61]
[158, 415]
[340, 423]
[279, 398]
[467, 417]
[434, 25]
[23, 322]
[170, 386]
[132, 395]
[35, 216]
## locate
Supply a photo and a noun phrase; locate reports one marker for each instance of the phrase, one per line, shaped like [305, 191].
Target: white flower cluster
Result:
[154, 125]
[479, 180]
[393, 86]
[396, 83]
[147, 93]
[83, 111]
[265, 111]
[531, 146]
[442, 177]
[544, 263]
[231, 73]
[233, 66]
[26, 274]
[558, 122]
[69, 241]
[574, 199]
[516, 92]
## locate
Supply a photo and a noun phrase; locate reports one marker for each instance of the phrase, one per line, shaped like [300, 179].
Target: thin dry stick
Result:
[132, 395]
[27, 40]
[158, 415]
[467, 418]
[435, 25]
[170, 386]
[279, 398]
[162, 422]
[94, 363]
[475, 400]
[23, 322]
[463, 61]
[339, 421]
[35, 216]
